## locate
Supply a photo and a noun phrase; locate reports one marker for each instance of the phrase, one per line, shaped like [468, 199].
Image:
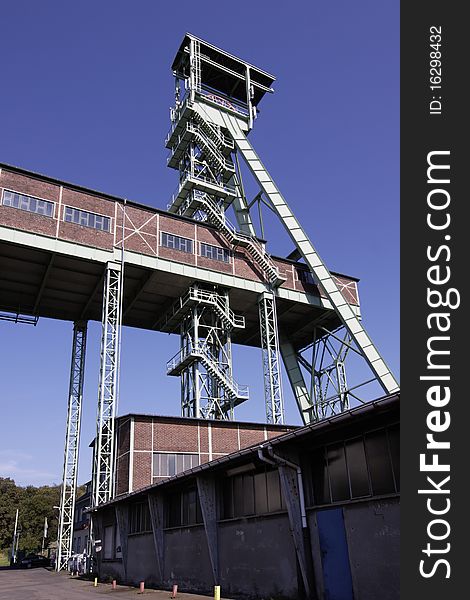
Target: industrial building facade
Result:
[311, 513]
[151, 448]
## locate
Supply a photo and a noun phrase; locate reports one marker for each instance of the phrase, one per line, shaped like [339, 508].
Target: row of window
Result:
[46, 208]
[166, 464]
[103, 223]
[176, 242]
[251, 494]
[368, 465]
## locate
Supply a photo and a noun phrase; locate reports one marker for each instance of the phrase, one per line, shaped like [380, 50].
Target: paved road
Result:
[41, 584]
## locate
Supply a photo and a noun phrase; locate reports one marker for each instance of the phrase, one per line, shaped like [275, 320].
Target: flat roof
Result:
[214, 421]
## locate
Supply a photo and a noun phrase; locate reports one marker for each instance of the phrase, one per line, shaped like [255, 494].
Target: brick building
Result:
[313, 513]
[151, 448]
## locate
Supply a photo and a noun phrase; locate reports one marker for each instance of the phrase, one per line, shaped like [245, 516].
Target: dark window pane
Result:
[174, 512]
[394, 443]
[261, 496]
[238, 496]
[357, 466]
[321, 488]
[248, 495]
[338, 474]
[227, 496]
[191, 507]
[274, 491]
[378, 459]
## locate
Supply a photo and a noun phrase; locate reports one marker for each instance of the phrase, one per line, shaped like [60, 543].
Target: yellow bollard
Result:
[217, 592]
[96, 582]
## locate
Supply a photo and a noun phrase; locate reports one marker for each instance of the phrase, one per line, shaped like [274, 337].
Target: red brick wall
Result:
[142, 230]
[142, 470]
[209, 439]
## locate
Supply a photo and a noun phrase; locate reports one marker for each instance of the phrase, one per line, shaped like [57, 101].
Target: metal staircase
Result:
[205, 322]
[198, 352]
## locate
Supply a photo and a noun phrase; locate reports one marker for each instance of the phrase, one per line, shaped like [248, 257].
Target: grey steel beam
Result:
[155, 501]
[43, 284]
[316, 265]
[296, 380]
[207, 491]
[122, 521]
[72, 443]
[144, 282]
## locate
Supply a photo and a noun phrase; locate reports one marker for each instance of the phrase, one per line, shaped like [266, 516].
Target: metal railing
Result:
[199, 351]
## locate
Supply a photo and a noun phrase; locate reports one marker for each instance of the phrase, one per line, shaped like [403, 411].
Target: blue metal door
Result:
[334, 551]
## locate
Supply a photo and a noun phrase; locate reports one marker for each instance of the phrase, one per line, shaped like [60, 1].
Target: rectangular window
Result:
[28, 203]
[215, 253]
[184, 508]
[87, 219]
[357, 467]
[251, 494]
[175, 242]
[166, 464]
[305, 276]
[380, 467]
[139, 518]
[339, 483]
[321, 484]
[360, 467]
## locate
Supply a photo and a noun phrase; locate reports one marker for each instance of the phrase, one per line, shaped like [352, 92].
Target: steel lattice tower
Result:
[216, 98]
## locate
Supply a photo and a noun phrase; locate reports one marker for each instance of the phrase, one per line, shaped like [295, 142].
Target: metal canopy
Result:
[223, 71]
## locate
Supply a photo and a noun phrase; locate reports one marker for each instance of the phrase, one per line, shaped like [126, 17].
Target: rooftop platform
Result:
[223, 71]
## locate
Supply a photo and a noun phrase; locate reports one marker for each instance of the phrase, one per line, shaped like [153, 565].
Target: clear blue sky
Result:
[85, 92]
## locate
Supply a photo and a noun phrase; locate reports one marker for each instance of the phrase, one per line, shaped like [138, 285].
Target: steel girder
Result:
[103, 464]
[271, 366]
[72, 442]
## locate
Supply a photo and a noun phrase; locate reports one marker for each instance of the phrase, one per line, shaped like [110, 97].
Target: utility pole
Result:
[14, 544]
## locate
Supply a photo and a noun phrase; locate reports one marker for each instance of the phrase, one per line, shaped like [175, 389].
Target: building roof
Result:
[213, 421]
[375, 408]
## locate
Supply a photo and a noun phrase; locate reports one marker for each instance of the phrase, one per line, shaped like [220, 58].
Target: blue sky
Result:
[85, 93]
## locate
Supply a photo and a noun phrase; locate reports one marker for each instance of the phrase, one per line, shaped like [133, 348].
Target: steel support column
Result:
[155, 502]
[103, 476]
[122, 521]
[207, 492]
[72, 442]
[271, 364]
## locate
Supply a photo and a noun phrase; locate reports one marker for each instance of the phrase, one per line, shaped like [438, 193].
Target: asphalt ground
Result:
[43, 584]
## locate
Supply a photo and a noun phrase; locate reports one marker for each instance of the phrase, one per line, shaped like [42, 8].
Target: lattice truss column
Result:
[103, 464]
[202, 391]
[72, 443]
[271, 364]
[317, 374]
[204, 361]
